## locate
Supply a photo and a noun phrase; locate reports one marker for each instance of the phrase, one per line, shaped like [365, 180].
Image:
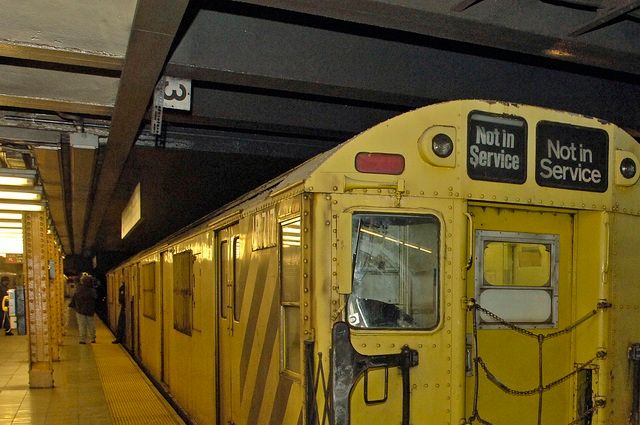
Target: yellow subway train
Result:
[469, 262]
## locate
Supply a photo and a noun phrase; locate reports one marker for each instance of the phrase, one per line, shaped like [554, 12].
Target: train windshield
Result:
[395, 271]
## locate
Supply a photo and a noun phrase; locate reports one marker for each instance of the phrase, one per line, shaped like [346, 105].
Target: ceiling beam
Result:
[58, 105]
[285, 115]
[38, 136]
[32, 87]
[48, 159]
[67, 57]
[290, 61]
[611, 11]
[154, 27]
[464, 5]
[82, 159]
[386, 14]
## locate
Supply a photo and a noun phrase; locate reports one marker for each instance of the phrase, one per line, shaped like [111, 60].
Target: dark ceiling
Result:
[273, 83]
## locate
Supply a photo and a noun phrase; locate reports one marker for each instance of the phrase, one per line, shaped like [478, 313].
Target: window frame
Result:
[148, 278]
[438, 250]
[294, 306]
[553, 240]
[223, 263]
[186, 295]
[236, 298]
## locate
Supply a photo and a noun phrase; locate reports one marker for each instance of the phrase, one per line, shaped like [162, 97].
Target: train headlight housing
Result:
[442, 145]
[436, 146]
[628, 168]
[626, 171]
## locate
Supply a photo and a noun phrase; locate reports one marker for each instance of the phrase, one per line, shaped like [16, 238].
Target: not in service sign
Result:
[571, 157]
[497, 148]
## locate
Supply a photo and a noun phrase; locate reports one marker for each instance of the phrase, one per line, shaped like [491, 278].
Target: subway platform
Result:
[94, 384]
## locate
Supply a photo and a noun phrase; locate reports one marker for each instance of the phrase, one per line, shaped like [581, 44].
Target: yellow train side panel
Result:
[150, 327]
[190, 359]
[591, 235]
[254, 387]
[624, 324]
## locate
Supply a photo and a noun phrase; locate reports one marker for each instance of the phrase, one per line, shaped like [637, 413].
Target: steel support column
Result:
[60, 283]
[38, 299]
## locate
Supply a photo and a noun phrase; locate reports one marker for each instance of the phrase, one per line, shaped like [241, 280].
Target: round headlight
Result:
[628, 168]
[442, 145]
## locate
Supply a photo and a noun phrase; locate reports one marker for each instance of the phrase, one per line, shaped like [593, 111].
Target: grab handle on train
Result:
[347, 365]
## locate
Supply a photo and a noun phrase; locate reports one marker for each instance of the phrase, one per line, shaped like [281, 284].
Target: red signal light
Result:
[379, 163]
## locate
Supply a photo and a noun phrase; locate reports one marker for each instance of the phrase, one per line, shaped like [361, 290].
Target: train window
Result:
[224, 278]
[182, 291]
[516, 264]
[395, 271]
[290, 282]
[148, 280]
[237, 286]
[516, 277]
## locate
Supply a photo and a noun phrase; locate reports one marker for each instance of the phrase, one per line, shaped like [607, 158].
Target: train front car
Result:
[473, 262]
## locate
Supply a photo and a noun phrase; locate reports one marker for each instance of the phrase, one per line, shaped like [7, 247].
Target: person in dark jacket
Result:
[84, 303]
[122, 317]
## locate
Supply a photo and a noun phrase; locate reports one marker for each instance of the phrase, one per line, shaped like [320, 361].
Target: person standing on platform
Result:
[121, 317]
[84, 303]
[6, 319]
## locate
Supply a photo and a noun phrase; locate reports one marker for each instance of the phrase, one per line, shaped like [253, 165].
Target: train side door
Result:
[166, 319]
[135, 319]
[522, 286]
[228, 350]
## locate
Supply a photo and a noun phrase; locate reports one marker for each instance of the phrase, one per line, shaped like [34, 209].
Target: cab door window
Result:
[395, 271]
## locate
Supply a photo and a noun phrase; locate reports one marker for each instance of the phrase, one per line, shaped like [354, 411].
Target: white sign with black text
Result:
[177, 93]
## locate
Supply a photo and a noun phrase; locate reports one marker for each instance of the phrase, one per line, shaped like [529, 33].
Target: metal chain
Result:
[533, 391]
[527, 332]
[476, 418]
[585, 415]
[501, 321]
[474, 307]
[598, 404]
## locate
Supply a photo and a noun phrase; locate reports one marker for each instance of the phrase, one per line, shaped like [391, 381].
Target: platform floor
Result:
[94, 384]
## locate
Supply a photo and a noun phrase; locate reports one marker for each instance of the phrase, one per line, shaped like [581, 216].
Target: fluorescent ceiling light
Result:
[12, 224]
[17, 177]
[10, 216]
[23, 196]
[15, 206]
[15, 181]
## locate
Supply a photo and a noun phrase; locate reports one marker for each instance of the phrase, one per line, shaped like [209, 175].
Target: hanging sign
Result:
[177, 93]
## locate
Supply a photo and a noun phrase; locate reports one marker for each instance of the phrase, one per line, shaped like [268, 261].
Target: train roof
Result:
[402, 135]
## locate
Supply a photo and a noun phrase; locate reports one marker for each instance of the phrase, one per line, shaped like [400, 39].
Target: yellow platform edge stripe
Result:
[130, 395]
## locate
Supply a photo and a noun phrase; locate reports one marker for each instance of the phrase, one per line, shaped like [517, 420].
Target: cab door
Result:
[228, 320]
[521, 281]
[391, 359]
